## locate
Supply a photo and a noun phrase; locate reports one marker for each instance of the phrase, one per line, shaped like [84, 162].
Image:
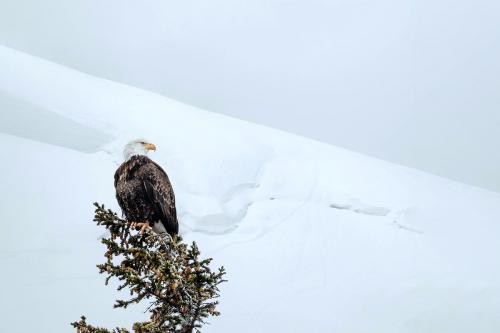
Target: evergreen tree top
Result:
[181, 288]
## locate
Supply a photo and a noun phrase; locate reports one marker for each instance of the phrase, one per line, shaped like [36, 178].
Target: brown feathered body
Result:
[145, 194]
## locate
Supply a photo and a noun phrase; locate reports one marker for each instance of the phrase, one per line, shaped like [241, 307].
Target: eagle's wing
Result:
[119, 198]
[160, 193]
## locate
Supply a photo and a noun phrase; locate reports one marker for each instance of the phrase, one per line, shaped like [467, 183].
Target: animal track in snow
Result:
[360, 208]
[405, 214]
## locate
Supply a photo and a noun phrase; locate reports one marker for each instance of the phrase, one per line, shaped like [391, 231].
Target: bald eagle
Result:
[144, 192]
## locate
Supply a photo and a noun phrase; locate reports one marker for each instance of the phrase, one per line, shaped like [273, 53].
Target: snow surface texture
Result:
[314, 238]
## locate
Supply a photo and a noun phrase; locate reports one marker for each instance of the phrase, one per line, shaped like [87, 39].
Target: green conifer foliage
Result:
[181, 288]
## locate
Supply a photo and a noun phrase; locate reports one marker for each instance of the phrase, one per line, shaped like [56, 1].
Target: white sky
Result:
[413, 82]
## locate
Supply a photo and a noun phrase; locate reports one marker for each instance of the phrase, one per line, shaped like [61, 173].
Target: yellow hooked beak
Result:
[150, 146]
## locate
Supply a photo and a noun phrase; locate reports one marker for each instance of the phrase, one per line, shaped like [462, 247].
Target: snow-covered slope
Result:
[314, 238]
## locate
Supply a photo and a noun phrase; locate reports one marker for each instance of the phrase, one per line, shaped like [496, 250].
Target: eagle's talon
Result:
[143, 225]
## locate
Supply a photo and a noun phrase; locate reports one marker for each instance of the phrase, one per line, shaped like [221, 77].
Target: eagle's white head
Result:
[137, 147]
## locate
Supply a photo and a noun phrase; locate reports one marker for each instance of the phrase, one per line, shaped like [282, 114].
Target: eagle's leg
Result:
[143, 225]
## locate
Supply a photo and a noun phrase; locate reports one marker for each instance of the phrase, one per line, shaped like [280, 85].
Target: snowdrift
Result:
[314, 238]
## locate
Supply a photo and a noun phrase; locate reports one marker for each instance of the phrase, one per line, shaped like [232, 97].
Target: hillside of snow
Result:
[314, 238]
